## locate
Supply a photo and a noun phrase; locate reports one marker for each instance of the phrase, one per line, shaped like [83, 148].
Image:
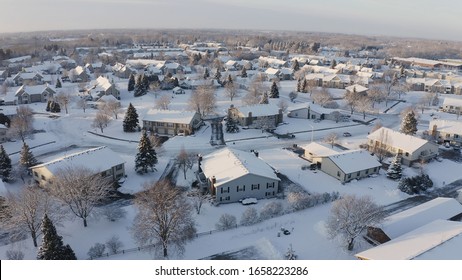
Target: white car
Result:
[249, 201]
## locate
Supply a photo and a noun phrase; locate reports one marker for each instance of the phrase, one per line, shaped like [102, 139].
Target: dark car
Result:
[346, 134]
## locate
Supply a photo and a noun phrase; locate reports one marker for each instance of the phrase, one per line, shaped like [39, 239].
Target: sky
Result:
[412, 18]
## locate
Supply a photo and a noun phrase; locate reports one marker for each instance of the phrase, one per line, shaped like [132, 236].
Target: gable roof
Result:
[418, 242]
[98, 159]
[358, 88]
[453, 127]
[319, 150]
[170, 116]
[394, 138]
[229, 164]
[452, 101]
[354, 161]
[32, 90]
[410, 219]
[259, 110]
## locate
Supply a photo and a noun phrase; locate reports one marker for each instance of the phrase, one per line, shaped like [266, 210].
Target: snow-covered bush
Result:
[226, 221]
[416, 184]
[96, 251]
[249, 217]
[114, 244]
[14, 255]
[270, 210]
[298, 200]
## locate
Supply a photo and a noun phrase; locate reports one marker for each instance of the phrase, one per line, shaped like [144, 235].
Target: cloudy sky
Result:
[405, 18]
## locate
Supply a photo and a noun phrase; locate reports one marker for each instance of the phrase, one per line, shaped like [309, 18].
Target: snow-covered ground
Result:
[308, 236]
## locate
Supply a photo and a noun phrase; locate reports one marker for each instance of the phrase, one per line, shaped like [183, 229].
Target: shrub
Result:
[270, 210]
[96, 251]
[416, 184]
[114, 244]
[226, 221]
[14, 255]
[114, 213]
[249, 217]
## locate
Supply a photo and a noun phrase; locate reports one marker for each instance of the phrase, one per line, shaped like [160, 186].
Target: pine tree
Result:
[274, 90]
[217, 75]
[395, 170]
[138, 90]
[230, 80]
[304, 86]
[299, 85]
[296, 66]
[26, 158]
[146, 158]
[244, 72]
[130, 122]
[231, 125]
[58, 84]
[206, 73]
[333, 64]
[264, 98]
[409, 123]
[52, 247]
[131, 82]
[5, 165]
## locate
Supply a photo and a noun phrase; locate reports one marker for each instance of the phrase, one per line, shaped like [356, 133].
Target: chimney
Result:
[214, 180]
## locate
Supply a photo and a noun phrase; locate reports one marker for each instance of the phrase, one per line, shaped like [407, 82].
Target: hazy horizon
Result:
[424, 19]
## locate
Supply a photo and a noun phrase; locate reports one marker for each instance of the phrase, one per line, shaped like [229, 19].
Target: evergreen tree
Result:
[395, 170]
[5, 165]
[53, 107]
[52, 247]
[138, 90]
[146, 158]
[244, 72]
[58, 84]
[130, 122]
[333, 64]
[206, 73]
[231, 125]
[217, 75]
[230, 80]
[264, 98]
[299, 85]
[296, 66]
[26, 158]
[274, 90]
[304, 86]
[409, 123]
[131, 82]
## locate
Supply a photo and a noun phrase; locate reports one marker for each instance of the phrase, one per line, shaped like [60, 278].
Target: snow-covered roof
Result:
[101, 83]
[228, 164]
[169, 116]
[419, 242]
[354, 161]
[452, 101]
[37, 89]
[287, 71]
[259, 110]
[410, 219]
[272, 71]
[98, 159]
[358, 88]
[107, 98]
[319, 150]
[447, 126]
[390, 137]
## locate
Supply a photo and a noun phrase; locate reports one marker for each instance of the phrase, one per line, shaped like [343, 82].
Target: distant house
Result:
[79, 74]
[452, 105]
[336, 81]
[102, 160]
[403, 222]
[436, 240]
[315, 111]
[446, 131]
[3, 75]
[358, 89]
[33, 94]
[105, 99]
[408, 147]
[260, 116]
[273, 73]
[178, 90]
[28, 78]
[232, 175]
[102, 86]
[123, 71]
[170, 122]
[286, 74]
[3, 130]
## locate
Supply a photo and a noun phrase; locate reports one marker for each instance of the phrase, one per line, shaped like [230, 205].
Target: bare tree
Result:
[4, 88]
[155, 87]
[390, 79]
[63, 98]
[381, 146]
[81, 189]
[112, 107]
[350, 216]
[22, 124]
[364, 105]
[82, 103]
[226, 221]
[256, 89]
[198, 198]
[101, 121]
[185, 161]
[164, 217]
[376, 94]
[322, 97]
[282, 104]
[163, 102]
[401, 89]
[25, 211]
[231, 90]
[203, 100]
[331, 138]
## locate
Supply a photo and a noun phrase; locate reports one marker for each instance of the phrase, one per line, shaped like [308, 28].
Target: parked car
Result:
[346, 134]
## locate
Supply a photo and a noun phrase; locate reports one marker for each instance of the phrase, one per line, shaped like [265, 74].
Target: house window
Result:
[349, 176]
[375, 169]
[367, 171]
[36, 174]
[119, 167]
[407, 154]
[359, 173]
[43, 177]
[225, 190]
[338, 173]
[240, 189]
[227, 198]
[270, 185]
[255, 186]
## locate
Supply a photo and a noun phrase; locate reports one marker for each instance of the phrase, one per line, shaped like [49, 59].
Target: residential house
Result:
[170, 122]
[102, 86]
[79, 74]
[315, 111]
[273, 73]
[408, 147]
[28, 78]
[102, 160]
[336, 81]
[350, 165]
[262, 116]
[3, 75]
[232, 175]
[231, 65]
[33, 94]
[403, 222]
[123, 71]
[105, 99]
[436, 240]
[358, 89]
[316, 152]
[178, 90]
[286, 74]
[3, 130]
[446, 131]
[452, 105]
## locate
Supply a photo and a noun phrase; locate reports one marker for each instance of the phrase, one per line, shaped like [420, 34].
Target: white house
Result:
[102, 160]
[446, 131]
[171, 122]
[452, 105]
[316, 152]
[32, 94]
[102, 86]
[232, 175]
[410, 148]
